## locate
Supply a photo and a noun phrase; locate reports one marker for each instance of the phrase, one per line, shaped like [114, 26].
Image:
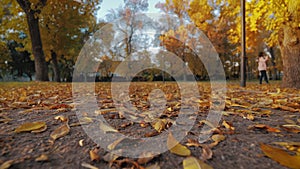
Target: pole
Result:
[243, 54]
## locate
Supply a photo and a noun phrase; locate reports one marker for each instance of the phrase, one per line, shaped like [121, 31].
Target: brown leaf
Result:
[6, 164]
[154, 166]
[218, 137]
[107, 128]
[86, 165]
[281, 156]
[60, 132]
[291, 128]
[30, 126]
[94, 154]
[206, 153]
[115, 143]
[145, 157]
[266, 127]
[176, 148]
[42, 157]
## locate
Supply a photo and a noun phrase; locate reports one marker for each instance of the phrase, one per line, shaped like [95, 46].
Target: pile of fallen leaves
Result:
[250, 103]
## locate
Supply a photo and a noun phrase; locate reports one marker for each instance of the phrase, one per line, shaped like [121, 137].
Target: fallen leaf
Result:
[206, 153]
[80, 142]
[227, 125]
[218, 137]
[42, 129]
[194, 163]
[291, 128]
[86, 165]
[154, 166]
[145, 157]
[281, 156]
[266, 127]
[30, 126]
[176, 148]
[159, 125]
[94, 154]
[114, 144]
[60, 132]
[107, 128]
[61, 118]
[42, 157]
[289, 121]
[6, 164]
[110, 157]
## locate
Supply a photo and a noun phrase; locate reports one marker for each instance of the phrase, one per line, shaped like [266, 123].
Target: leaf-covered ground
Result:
[39, 128]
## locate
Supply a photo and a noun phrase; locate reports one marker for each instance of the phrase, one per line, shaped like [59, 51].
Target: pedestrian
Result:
[262, 67]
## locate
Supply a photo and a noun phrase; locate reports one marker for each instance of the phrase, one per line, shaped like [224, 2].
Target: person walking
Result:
[262, 67]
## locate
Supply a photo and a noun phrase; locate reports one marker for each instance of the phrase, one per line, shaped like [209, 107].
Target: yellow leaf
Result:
[194, 163]
[281, 156]
[60, 132]
[227, 125]
[30, 126]
[42, 129]
[176, 148]
[218, 137]
[6, 164]
[159, 125]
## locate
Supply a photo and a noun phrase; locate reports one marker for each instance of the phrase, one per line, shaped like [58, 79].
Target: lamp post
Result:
[243, 54]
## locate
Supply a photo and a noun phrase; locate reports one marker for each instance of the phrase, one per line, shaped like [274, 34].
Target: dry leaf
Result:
[110, 157]
[145, 157]
[194, 163]
[154, 166]
[291, 128]
[60, 132]
[42, 157]
[281, 156]
[107, 128]
[227, 125]
[263, 126]
[6, 164]
[206, 153]
[61, 118]
[94, 155]
[86, 165]
[159, 125]
[114, 144]
[176, 148]
[30, 126]
[80, 142]
[218, 137]
[40, 130]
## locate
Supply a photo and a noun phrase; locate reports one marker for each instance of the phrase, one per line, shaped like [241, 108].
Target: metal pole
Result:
[243, 54]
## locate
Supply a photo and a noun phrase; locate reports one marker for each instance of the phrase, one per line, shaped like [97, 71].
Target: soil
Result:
[240, 149]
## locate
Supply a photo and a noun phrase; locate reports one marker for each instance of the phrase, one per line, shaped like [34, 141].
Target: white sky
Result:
[106, 5]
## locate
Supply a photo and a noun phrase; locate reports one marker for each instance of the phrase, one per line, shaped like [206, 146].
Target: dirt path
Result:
[239, 149]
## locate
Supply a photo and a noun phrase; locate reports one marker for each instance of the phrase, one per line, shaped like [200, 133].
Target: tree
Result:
[64, 26]
[277, 21]
[32, 11]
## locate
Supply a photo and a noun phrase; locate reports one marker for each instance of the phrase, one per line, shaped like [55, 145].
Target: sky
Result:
[106, 5]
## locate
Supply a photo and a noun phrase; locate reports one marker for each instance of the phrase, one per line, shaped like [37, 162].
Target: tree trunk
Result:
[275, 71]
[56, 70]
[41, 68]
[289, 41]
